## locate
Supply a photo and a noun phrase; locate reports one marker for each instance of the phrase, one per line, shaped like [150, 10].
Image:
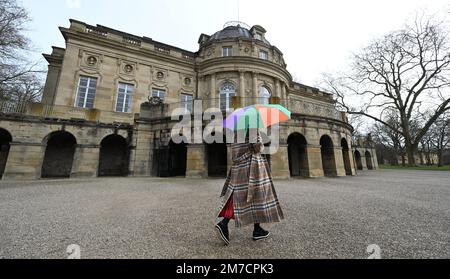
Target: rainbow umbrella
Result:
[256, 116]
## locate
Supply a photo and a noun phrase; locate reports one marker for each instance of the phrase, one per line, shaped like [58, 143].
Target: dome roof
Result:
[234, 31]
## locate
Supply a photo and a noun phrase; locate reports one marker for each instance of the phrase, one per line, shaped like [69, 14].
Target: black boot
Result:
[259, 233]
[222, 231]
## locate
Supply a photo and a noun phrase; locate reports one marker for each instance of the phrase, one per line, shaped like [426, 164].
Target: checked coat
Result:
[249, 183]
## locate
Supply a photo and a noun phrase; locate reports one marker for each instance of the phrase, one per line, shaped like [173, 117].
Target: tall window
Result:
[227, 51]
[86, 92]
[160, 93]
[226, 92]
[124, 97]
[264, 95]
[263, 55]
[186, 101]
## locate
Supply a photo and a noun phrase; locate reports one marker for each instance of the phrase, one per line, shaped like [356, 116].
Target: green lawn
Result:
[436, 168]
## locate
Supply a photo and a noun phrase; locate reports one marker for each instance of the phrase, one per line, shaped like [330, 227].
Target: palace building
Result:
[107, 103]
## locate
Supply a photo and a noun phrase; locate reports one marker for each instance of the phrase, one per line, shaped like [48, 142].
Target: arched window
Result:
[226, 92]
[264, 95]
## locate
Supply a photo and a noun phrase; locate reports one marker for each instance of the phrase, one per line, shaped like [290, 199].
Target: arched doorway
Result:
[177, 159]
[217, 159]
[346, 157]
[5, 141]
[369, 160]
[298, 160]
[328, 161]
[113, 156]
[58, 158]
[358, 160]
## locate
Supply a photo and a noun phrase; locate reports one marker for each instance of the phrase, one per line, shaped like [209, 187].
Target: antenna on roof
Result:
[238, 10]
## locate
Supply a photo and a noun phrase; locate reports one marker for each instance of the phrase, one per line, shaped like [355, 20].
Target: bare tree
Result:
[19, 78]
[406, 71]
[391, 140]
[438, 137]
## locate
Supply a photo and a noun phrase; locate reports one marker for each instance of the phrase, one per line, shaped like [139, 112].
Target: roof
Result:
[234, 31]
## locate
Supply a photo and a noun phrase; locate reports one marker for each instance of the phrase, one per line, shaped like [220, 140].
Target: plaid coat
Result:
[250, 183]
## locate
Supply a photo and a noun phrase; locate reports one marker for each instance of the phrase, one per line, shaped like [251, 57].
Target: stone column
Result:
[24, 161]
[141, 158]
[255, 86]
[375, 159]
[351, 156]
[131, 158]
[339, 161]
[283, 92]
[213, 103]
[85, 161]
[363, 159]
[196, 161]
[315, 160]
[280, 163]
[242, 86]
[278, 89]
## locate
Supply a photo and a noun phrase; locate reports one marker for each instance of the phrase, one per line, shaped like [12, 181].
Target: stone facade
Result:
[96, 119]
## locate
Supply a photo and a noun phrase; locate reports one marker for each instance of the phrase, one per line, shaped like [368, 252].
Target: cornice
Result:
[104, 42]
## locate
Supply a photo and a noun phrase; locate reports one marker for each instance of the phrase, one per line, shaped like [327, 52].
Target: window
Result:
[226, 92]
[124, 97]
[258, 36]
[227, 51]
[263, 55]
[86, 92]
[264, 95]
[186, 101]
[160, 93]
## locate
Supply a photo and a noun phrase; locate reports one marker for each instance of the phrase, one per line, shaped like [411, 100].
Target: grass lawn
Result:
[436, 168]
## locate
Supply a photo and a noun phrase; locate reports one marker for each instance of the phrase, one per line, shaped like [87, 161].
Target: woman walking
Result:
[249, 194]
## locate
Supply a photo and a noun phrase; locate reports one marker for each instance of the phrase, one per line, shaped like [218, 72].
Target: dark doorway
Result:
[217, 159]
[346, 156]
[58, 158]
[358, 160]
[369, 160]
[113, 156]
[170, 160]
[298, 160]
[177, 159]
[5, 141]
[328, 160]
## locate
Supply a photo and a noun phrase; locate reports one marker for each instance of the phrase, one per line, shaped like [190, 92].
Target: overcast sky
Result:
[315, 36]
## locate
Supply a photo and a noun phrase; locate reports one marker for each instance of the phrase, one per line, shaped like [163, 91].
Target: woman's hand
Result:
[258, 147]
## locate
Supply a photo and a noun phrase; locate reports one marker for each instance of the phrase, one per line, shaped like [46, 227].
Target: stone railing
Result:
[40, 110]
[295, 106]
[162, 110]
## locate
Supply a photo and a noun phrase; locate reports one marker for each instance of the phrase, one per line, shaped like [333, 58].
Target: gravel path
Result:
[406, 213]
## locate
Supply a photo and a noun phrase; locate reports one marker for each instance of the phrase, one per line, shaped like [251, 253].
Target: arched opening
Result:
[369, 160]
[5, 141]
[217, 159]
[113, 156]
[298, 160]
[227, 90]
[346, 157]
[58, 158]
[328, 161]
[264, 95]
[358, 160]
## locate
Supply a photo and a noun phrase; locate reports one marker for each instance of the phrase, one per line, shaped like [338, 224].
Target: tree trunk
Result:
[440, 154]
[410, 150]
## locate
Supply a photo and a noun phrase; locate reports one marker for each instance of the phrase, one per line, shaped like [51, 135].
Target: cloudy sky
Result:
[315, 36]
